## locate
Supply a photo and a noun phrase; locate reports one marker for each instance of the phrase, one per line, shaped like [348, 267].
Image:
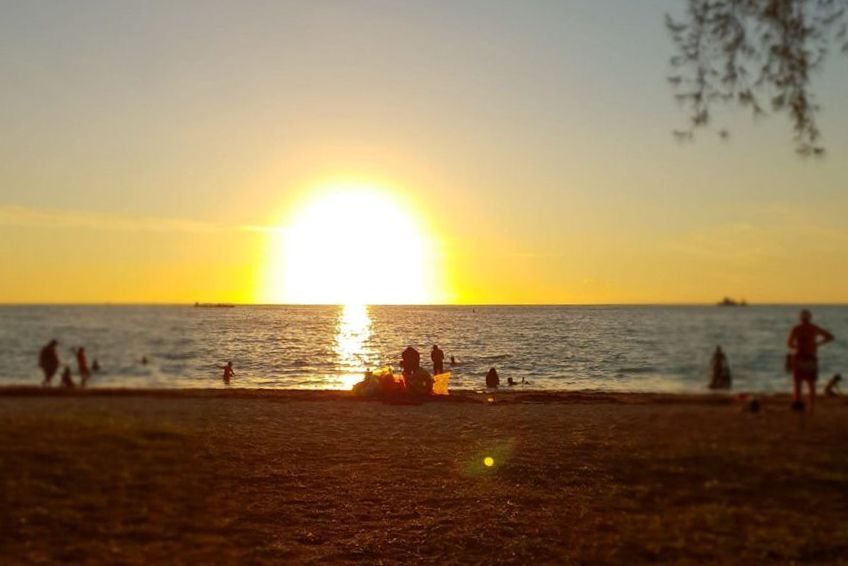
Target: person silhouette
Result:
[410, 360]
[453, 362]
[67, 380]
[832, 387]
[438, 358]
[719, 370]
[803, 342]
[82, 365]
[95, 366]
[492, 379]
[48, 361]
[228, 372]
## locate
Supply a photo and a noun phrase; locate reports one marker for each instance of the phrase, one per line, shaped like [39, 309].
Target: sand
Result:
[298, 477]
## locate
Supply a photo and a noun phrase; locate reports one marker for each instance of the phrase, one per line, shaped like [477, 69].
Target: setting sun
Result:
[353, 244]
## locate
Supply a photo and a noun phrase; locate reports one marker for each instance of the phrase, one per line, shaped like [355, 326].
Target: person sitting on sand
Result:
[832, 387]
[82, 365]
[420, 382]
[48, 361]
[228, 372]
[492, 379]
[803, 342]
[437, 356]
[719, 370]
[67, 380]
[410, 360]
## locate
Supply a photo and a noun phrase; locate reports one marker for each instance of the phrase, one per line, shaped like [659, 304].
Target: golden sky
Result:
[501, 152]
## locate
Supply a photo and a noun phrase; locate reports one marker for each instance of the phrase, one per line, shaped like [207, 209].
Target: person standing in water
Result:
[48, 361]
[228, 372]
[803, 342]
[492, 379]
[719, 370]
[82, 364]
[438, 358]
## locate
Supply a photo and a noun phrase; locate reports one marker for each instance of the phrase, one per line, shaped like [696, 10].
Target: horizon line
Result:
[237, 304]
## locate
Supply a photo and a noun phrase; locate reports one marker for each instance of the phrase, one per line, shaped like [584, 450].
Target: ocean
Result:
[606, 348]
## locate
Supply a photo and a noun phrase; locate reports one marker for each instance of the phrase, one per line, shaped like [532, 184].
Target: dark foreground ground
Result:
[249, 477]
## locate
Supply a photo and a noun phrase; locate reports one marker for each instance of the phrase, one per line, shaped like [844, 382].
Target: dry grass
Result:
[195, 478]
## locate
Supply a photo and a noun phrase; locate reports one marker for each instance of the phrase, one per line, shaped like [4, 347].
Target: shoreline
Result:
[456, 396]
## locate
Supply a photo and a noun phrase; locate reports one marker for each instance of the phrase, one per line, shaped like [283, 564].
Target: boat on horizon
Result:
[728, 302]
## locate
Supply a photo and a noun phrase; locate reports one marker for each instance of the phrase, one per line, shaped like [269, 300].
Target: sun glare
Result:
[353, 245]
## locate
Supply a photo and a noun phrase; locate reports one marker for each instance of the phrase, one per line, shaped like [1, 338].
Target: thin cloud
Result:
[28, 217]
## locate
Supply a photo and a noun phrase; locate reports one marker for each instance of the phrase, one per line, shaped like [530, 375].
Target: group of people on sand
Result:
[803, 342]
[48, 361]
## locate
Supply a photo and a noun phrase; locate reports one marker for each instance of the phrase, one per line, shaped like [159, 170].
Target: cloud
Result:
[765, 239]
[28, 217]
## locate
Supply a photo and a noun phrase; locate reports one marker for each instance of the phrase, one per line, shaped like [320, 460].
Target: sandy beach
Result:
[305, 477]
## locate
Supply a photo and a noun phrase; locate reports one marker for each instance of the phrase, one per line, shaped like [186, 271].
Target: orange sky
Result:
[163, 153]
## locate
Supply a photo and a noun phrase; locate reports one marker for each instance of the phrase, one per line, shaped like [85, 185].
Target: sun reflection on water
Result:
[354, 354]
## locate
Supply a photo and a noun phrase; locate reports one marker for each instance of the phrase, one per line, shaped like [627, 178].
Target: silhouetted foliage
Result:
[758, 54]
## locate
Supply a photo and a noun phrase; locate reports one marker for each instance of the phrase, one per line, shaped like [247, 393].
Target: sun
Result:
[354, 244]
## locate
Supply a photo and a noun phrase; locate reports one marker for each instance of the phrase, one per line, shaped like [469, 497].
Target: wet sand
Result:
[298, 477]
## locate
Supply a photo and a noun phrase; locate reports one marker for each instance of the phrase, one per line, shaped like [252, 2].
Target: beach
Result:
[133, 477]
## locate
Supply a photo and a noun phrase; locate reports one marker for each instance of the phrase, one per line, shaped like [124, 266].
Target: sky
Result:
[164, 152]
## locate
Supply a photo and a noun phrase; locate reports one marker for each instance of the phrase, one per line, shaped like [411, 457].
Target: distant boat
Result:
[215, 305]
[728, 302]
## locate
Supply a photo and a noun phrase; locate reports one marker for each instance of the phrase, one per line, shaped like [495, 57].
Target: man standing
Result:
[438, 357]
[48, 361]
[803, 343]
[410, 361]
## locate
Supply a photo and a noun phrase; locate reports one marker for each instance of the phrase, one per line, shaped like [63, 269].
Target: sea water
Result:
[609, 348]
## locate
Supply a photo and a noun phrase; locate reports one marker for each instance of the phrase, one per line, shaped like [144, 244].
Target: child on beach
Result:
[67, 380]
[832, 387]
[82, 365]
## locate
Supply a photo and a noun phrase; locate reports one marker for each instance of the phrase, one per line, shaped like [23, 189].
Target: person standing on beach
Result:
[82, 364]
[48, 361]
[803, 342]
[410, 360]
[438, 358]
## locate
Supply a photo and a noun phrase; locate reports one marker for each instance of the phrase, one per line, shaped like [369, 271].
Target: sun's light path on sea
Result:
[354, 354]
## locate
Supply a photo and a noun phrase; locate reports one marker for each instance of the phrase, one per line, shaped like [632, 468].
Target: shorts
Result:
[805, 369]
